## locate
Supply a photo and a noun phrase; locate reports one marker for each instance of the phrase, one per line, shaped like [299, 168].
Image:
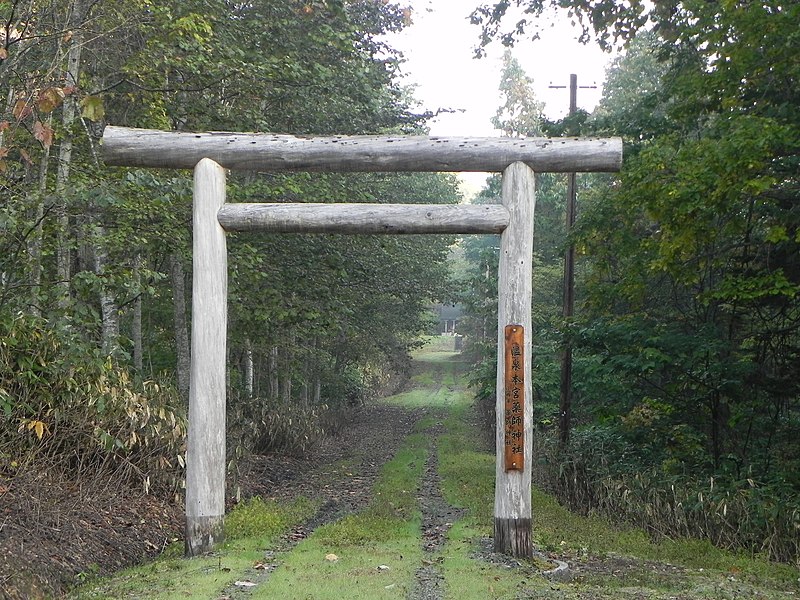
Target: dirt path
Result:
[340, 471]
[437, 518]
[342, 479]
[340, 475]
[448, 548]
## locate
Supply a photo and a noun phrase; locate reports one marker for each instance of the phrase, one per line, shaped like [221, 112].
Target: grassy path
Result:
[424, 534]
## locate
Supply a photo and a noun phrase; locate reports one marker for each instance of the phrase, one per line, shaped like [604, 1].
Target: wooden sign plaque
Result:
[515, 398]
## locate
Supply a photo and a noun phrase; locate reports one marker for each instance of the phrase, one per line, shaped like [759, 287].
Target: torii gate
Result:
[210, 154]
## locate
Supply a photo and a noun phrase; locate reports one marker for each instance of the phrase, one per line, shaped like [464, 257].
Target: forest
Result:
[686, 333]
[96, 260]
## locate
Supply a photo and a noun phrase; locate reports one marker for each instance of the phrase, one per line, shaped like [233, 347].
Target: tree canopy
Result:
[97, 259]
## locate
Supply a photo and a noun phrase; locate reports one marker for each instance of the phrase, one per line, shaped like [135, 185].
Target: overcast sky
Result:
[439, 49]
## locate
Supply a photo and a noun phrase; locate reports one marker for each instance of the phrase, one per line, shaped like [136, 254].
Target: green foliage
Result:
[687, 337]
[64, 401]
[343, 311]
[327, 320]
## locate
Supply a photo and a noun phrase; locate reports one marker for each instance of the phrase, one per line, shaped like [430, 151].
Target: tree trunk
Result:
[304, 393]
[136, 325]
[69, 112]
[317, 369]
[286, 372]
[249, 371]
[35, 239]
[273, 373]
[286, 385]
[182, 352]
[108, 307]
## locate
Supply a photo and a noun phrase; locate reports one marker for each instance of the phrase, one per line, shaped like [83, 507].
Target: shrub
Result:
[262, 425]
[62, 401]
[601, 472]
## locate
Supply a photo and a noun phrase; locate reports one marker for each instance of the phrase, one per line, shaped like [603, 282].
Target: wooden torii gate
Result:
[210, 154]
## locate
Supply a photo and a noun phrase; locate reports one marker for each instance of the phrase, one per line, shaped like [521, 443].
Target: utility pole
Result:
[565, 404]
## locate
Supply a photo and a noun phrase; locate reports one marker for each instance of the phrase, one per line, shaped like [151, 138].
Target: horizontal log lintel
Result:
[364, 218]
[271, 152]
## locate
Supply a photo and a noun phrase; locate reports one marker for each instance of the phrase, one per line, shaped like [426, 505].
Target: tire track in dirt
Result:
[345, 469]
[437, 518]
[341, 477]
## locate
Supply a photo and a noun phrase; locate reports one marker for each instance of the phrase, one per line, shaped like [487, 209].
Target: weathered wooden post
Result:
[205, 453]
[512, 499]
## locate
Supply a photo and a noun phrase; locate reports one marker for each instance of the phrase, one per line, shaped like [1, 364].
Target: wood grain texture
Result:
[271, 152]
[512, 502]
[364, 218]
[205, 454]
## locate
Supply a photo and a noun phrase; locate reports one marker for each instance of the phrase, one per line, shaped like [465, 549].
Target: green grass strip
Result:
[704, 571]
[377, 551]
[251, 527]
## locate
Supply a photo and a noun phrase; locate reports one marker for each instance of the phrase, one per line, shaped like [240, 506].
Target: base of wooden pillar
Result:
[203, 534]
[513, 537]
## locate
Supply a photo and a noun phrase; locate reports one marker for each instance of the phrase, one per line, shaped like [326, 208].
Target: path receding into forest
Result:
[399, 505]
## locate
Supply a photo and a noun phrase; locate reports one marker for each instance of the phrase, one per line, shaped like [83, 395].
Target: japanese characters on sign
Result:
[514, 398]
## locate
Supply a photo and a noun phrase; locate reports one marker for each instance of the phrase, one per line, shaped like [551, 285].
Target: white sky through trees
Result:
[439, 49]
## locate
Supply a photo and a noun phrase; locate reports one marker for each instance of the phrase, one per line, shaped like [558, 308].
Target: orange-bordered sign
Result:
[515, 398]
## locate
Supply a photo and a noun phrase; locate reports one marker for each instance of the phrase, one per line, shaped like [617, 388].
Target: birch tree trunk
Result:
[317, 391]
[108, 305]
[273, 373]
[136, 325]
[182, 351]
[316, 374]
[35, 239]
[304, 393]
[286, 371]
[286, 385]
[69, 112]
[248, 368]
